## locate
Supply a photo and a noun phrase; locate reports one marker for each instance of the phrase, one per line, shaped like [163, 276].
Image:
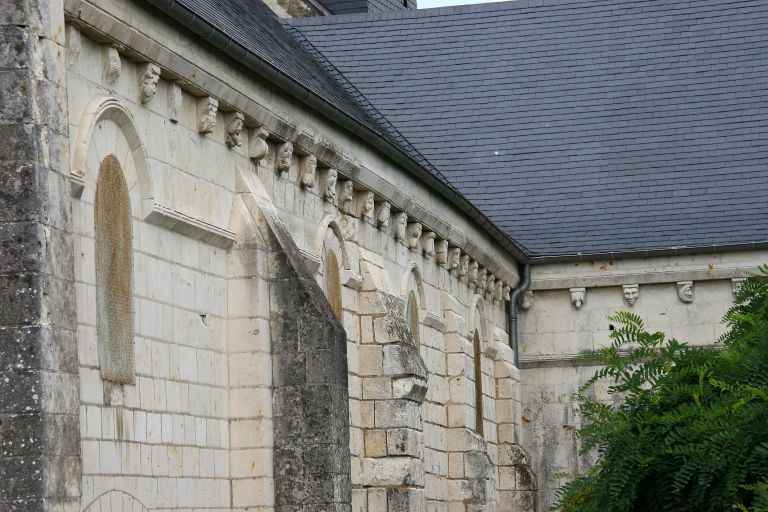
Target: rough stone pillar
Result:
[394, 382]
[309, 372]
[39, 423]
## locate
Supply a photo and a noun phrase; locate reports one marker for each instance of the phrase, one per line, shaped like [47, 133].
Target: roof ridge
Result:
[430, 12]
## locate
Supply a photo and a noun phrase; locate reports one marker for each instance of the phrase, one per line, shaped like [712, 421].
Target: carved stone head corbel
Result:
[366, 204]
[401, 227]
[308, 171]
[235, 125]
[464, 266]
[498, 291]
[330, 176]
[207, 109]
[284, 157]
[382, 214]
[441, 252]
[482, 280]
[347, 197]
[490, 287]
[349, 227]
[631, 293]
[149, 77]
[685, 291]
[414, 235]
[257, 144]
[474, 267]
[113, 65]
[454, 258]
[428, 243]
[578, 297]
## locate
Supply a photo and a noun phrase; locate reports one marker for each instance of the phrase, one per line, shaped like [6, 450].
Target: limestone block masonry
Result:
[299, 341]
[313, 327]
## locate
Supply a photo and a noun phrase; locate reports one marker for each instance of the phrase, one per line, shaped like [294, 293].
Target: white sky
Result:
[424, 4]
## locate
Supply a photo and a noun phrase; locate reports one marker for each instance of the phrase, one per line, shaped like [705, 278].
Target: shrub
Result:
[691, 433]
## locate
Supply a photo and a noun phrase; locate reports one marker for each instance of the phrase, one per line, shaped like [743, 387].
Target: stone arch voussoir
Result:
[113, 109]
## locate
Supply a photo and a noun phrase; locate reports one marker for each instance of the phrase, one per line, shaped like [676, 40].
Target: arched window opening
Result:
[114, 273]
[478, 385]
[412, 316]
[333, 283]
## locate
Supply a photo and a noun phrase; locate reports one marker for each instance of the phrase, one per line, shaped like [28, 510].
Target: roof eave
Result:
[313, 100]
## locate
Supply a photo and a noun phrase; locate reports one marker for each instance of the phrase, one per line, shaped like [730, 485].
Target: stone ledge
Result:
[192, 227]
[617, 279]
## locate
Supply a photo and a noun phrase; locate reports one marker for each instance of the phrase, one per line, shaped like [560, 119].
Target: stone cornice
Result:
[104, 28]
[622, 278]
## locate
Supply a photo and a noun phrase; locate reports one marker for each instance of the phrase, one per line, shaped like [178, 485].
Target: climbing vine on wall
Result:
[691, 430]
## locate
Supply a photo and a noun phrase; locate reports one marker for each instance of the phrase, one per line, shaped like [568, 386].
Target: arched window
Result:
[114, 273]
[478, 385]
[333, 282]
[412, 316]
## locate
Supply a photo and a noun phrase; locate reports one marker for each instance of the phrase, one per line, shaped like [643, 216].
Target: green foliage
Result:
[691, 433]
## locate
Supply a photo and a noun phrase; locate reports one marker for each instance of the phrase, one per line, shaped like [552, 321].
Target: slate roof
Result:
[245, 29]
[254, 27]
[251, 25]
[578, 126]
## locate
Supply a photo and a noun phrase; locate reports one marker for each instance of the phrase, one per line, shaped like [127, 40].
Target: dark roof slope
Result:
[253, 26]
[249, 32]
[579, 126]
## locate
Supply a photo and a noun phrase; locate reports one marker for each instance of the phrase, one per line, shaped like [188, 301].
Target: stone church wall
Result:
[245, 209]
[224, 370]
[567, 313]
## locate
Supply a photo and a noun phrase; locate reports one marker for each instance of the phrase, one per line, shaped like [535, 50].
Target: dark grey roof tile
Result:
[579, 126]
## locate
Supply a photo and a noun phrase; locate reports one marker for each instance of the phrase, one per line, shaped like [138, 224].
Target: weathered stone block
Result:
[405, 441]
[377, 500]
[371, 360]
[393, 471]
[456, 465]
[477, 465]
[397, 413]
[14, 45]
[512, 455]
[405, 500]
[409, 388]
[516, 501]
[375, 443]
[377, 388]
[370, 304]
[19, 193]
[403, 359]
